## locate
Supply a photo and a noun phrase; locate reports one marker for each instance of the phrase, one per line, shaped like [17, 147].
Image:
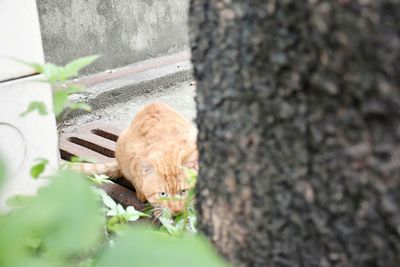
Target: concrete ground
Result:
[117, 95]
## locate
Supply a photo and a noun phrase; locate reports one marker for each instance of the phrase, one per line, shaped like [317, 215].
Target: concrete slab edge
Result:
[120, 85]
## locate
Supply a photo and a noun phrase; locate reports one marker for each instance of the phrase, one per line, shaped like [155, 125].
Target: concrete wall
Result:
[23, 138]
[20, 38]
[121, 31]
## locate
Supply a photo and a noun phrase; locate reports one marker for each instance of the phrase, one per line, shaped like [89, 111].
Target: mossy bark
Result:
[299, 130]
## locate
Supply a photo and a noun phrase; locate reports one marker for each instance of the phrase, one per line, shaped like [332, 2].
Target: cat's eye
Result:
[162, 194]
[183, 192]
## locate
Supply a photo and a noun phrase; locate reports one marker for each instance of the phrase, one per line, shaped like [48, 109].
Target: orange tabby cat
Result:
[153, 153]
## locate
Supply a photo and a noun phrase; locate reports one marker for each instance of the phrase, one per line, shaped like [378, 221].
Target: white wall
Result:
[22, 139]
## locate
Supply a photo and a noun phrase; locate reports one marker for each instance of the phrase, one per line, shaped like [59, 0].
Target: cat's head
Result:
[166, 183]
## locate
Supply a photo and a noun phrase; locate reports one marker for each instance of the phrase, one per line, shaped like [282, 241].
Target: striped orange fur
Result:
[152, 153]
[110, 169]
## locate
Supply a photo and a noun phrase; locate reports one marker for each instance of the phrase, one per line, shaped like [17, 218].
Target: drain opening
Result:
[125, 183]
[99, 149]
[65, 155]
[104, 134]
[123, 191]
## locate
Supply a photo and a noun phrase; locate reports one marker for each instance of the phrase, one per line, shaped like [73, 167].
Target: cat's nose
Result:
[175, 211]
[176, 208]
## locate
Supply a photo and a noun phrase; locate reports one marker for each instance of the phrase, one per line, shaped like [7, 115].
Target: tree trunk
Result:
[299, 130]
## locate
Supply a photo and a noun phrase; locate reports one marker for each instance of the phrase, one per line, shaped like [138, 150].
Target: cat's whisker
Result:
[157, 211]
[157, 208]
[154, 220]
[157, 215]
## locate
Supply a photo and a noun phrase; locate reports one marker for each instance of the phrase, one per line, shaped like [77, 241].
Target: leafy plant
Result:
[64, 225]
[52, 228]
[71, 222]
[117, 215]
[57, 77]
[100, 179]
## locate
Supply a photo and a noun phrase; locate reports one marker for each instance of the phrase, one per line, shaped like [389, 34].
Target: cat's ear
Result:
[146, 167]
[192, 161]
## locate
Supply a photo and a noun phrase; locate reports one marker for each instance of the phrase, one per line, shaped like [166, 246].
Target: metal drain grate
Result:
[98, 141]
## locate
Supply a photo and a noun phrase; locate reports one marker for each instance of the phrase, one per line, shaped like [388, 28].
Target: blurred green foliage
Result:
[71, 222]
[58, 226]
[155, 249]
[64, 225]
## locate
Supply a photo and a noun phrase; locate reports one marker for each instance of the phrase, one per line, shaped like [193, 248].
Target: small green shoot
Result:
[39, 167]
[72, 69]
[118, 216]
[130, 214]
[181, 224]
[39, 106]
[80, 105]
[55, 73]
[57, 76]
[75, 159]
[169, 224]
[100, 179]
[60, 98]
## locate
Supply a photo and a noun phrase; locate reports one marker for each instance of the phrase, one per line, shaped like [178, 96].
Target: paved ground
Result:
[116, 96]
[180, 96]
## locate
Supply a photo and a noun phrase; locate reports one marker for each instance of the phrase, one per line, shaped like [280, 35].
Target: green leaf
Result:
[168, 223]
[61, 224]
[60, 98]
[75, 159]
[35, 105]
[138, 247]
[131, 214]
[68, 211]
[106, 199]
[53, 73]
[19, 201]
[100, 179]
[39, 167]
[74, 88]
[57, 73]
[35, 66]
[73, 68]
[80, 105]
[114, 225]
